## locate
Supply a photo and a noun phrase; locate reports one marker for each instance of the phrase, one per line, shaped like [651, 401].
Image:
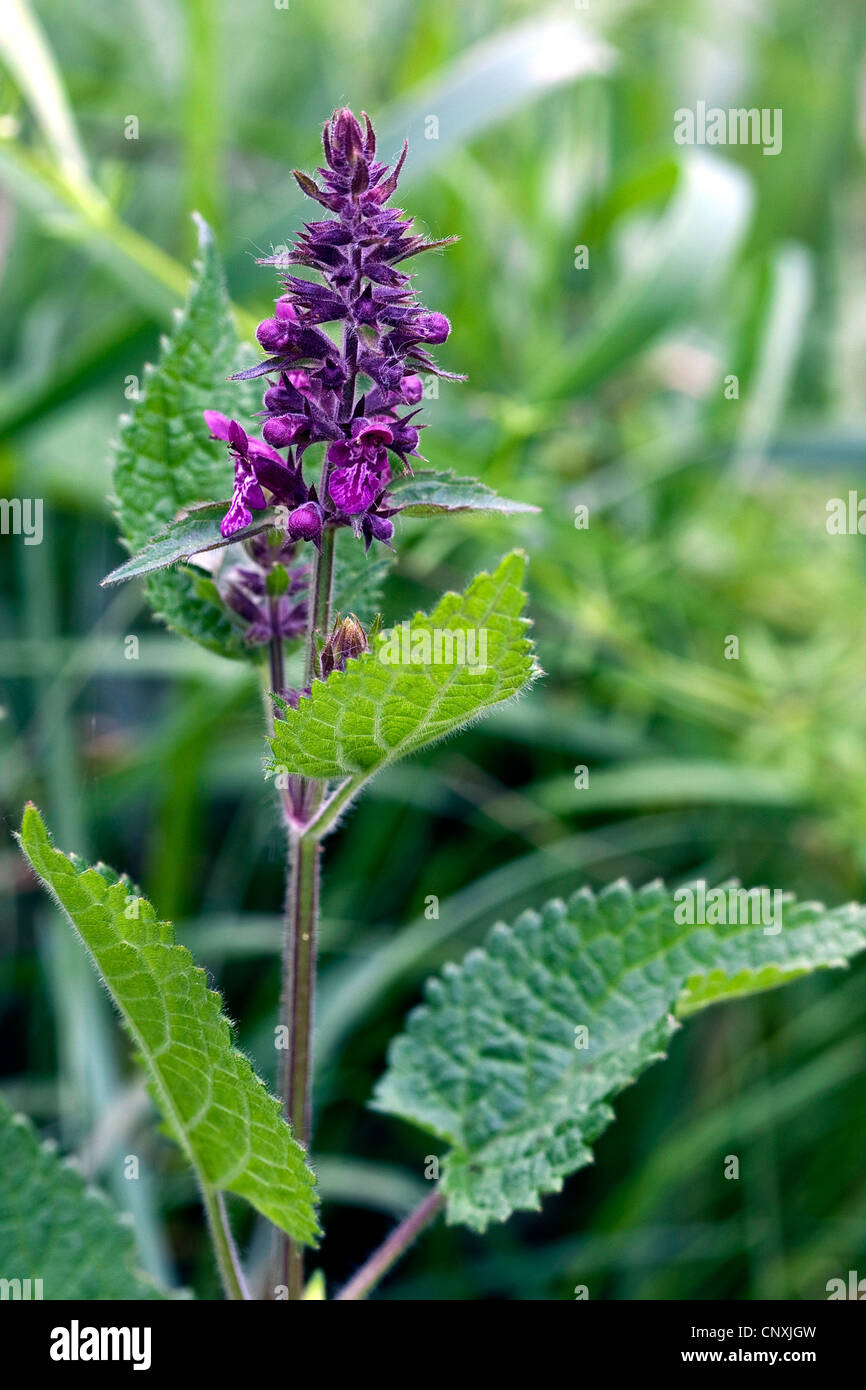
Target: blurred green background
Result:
[603, 386]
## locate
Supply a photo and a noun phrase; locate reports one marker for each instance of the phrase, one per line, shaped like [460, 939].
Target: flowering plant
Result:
[271, 545]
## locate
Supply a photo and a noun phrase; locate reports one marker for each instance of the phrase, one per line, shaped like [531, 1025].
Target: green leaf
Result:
[427, 493]
[380, 708]
[165, 460]
[193, 532]
[493, 1064]
[215, 1106]
[55, 1228]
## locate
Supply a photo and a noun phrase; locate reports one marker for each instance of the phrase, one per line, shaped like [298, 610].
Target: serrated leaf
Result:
[380, 709]
[193, 533]
[216, 1108]
[427, 493]
[164, 459]
[55, 1228]
[492, 1062]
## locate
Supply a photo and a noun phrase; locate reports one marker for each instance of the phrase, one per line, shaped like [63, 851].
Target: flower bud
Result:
[434, 327]
[347, 142]
[381, 529]
[305, 522]
[412, 389]
[274, 335]
[347, 641]
[284, 429]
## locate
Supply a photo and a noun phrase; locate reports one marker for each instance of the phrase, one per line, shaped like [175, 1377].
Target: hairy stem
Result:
[302, 912]
[390, 1250]
[302, 920]
[230, 1269]
[277, 655]
[320, 600]
[302, 905]
[299, 982]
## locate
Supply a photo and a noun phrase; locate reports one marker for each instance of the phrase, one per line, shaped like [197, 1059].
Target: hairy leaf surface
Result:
[381, 709]
[214, 1105]
[494, 1062]
[427, 493]
[55, 1228]
[164, 458]
[193, 533]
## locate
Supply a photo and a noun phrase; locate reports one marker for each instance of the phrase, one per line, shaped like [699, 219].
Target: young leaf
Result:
[497, 1063]
[197, 530]
[426, 493]
[214, 1105]
[398, 697]
[164, 459]
[55, 1228]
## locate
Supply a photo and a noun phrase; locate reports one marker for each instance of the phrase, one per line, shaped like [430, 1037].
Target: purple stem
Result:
[391, 1249]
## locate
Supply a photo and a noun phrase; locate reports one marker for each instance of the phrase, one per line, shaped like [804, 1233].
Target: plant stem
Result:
[302, 919]
[302, 897]
[302, 913]
[278, 664]
[391, 1249]
[299, 983]
[320, 609]
[228, 1259]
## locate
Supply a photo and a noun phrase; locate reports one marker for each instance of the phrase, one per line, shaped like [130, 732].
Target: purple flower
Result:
[245, 589]
[412, 389]
[306, 523]
[257, 466]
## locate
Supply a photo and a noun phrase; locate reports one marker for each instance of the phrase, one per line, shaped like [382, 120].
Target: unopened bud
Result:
[347, 642]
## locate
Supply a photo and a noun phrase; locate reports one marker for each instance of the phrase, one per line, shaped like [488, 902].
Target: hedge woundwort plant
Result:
[516, 1054]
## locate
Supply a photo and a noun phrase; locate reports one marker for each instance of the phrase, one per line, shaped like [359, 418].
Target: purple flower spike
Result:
[344, 271]
[316, 392]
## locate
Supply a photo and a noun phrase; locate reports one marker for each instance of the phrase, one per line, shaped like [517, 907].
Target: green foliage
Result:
[193, 532]
[214, 1105]
[377, 710]
[55, 1228]
[427, 493]
[164, 459]
[495, 1063]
